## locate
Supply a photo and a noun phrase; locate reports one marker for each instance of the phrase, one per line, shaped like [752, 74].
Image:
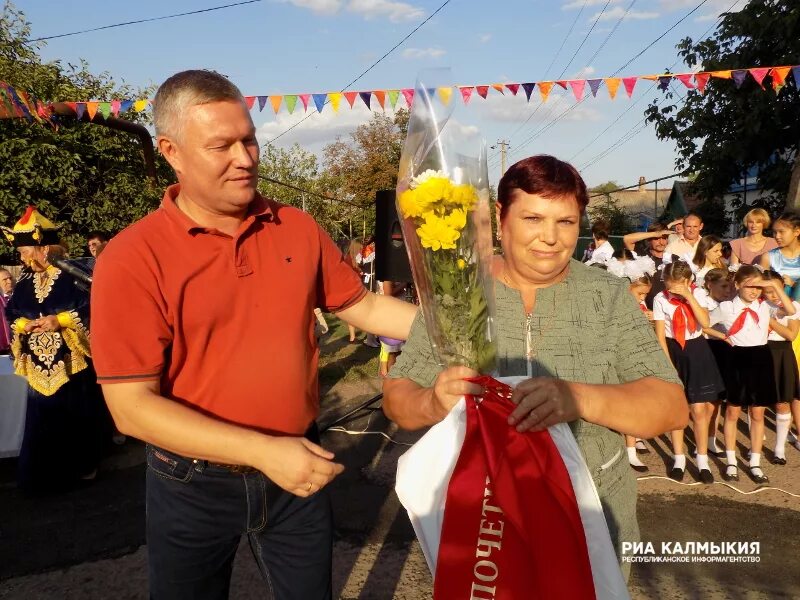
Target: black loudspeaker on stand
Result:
[391, 258]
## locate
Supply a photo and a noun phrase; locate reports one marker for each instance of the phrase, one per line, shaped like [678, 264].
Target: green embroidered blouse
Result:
[589, 329]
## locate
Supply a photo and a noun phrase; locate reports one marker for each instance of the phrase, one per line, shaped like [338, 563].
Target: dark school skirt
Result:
[748, 377]
[787, 378]
[721, 351]
[697, 370]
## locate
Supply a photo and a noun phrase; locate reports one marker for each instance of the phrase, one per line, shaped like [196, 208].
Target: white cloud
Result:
[580, 3]
[618, 11]
[415, 53]
[321, 7]
[395, 11]
[584, 72]
[484, 37]
[515, 109]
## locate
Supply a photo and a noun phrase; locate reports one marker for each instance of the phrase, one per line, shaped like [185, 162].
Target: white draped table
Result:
[13, 401]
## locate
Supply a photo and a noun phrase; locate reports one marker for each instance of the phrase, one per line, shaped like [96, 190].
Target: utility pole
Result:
[504, 145]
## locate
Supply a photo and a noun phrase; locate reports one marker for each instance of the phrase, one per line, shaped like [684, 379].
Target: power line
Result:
[311, 192]
[611, 33]
[586, 37]
[368, 69]
[636, 185]
[183, 14]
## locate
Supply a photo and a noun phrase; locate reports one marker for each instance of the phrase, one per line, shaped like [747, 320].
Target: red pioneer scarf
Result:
[682, 320]
[738, 324]
[511, 526]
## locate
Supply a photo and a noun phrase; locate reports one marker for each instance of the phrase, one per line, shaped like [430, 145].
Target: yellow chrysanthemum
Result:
[463, 195]
[436, 234]
[457, 219]
[434, 190]
[462, 264]
[410, 205]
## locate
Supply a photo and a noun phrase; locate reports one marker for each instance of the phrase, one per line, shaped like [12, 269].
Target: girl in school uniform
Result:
[680, 315]
[639, 271]
[718, 285]
[746, 320]
[783, 331]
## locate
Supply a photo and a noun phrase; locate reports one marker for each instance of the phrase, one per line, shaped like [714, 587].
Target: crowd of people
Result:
[728, 325]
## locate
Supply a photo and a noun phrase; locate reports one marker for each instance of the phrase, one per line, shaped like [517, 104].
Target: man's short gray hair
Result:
[187, 89]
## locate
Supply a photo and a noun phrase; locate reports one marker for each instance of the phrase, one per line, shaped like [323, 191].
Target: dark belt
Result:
[232, 468]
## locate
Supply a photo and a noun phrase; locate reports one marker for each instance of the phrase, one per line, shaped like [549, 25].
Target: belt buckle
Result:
[240, 469]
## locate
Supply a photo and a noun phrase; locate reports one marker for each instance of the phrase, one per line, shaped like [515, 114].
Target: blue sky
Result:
[304, 46]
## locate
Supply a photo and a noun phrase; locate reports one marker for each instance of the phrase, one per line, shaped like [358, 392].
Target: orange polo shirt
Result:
[226, 323]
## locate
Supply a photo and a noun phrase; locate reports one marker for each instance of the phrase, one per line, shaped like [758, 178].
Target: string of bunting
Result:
[16, 103]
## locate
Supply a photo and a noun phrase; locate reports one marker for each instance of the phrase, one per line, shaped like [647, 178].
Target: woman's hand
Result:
[542, 402]
[451, 385]
[788, 281]
[44, 324]
[680, 289]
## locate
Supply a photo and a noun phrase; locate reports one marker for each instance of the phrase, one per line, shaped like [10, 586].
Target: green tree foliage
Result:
[605, 188]
[81, 175]
[726, 130]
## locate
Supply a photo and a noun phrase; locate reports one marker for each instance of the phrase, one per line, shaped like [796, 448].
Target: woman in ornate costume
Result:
[66, 420]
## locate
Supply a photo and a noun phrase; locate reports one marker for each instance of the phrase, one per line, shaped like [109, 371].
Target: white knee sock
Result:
[633, 459]
[730, 455]
[782, 424]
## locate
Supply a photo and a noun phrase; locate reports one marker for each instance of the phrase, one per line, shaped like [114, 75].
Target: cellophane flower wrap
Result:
[443, 204]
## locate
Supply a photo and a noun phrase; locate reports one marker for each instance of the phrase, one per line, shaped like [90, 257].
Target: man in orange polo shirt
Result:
[203, 338]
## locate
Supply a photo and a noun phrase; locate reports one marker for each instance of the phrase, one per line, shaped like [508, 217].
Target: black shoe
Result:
[640, 468]
[706, 476]
[717, 453]
[677, 474]
[758, 478]
[777, 460]
[734, 477]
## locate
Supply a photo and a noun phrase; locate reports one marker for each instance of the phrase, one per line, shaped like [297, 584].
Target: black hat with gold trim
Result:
[33, 229]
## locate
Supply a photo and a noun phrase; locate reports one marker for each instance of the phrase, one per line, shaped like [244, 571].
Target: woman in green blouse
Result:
[590, 354]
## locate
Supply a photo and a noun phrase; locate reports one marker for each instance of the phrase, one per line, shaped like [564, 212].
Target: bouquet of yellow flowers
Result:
[443, 204]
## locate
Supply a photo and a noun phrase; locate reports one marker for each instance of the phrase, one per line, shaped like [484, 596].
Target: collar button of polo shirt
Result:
[241, 263]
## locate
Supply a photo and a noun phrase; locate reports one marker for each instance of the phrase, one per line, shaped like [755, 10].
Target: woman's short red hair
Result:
[544, 176]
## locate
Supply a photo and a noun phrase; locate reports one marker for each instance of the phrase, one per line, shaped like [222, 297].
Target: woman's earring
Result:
[498, 235]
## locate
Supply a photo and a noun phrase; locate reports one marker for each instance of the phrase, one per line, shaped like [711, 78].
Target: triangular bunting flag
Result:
[649, 77]
[105, 109]
[578, 85]
[779, 75]
[393, 96]
[594, 85]
[125, 106]
[528, 87]
[73, 106]
[739, 77]
[250, 101]
[304, 98]
[91, 108]
[290, 101]
[721, 74]
[796, 75]
[380, 96]
[350, 97]
[483, 90]
[408, 94]
[140, 105]
[466, 93]
[335, 98]
[758, 75]
[685, 79]
[629, 83]
[80, 109]
[612, 83]
[365, 98]
[701, 79]
[275, 101]
[319, 101]
[663, 82]
[513, 88]
[499, 88]
[115, 107]
[544, 89]
[562, 84]
[445, 93]
[262, 102]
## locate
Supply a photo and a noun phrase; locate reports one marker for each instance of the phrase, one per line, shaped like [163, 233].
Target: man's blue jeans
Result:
[197, 513]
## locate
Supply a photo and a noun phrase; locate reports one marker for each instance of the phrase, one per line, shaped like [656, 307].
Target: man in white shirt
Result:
[686, 246]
